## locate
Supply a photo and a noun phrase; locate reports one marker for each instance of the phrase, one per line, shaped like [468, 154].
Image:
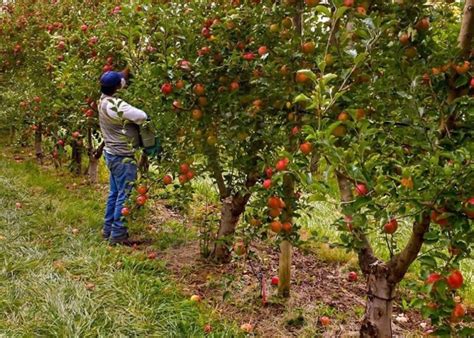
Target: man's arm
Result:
[131, 113]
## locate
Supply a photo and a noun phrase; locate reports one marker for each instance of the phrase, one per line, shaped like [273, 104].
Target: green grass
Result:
[57, 283]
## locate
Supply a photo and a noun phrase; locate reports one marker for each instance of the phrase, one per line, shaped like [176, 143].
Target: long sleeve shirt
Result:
[113, 112]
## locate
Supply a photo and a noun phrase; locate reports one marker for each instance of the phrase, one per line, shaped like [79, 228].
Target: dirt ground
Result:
[234, 291]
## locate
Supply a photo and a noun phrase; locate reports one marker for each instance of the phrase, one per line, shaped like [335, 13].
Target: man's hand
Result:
[126, 73]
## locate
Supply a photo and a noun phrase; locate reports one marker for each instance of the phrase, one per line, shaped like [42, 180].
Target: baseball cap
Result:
[111, 79]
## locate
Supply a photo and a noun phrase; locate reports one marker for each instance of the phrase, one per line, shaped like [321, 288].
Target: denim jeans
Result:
[123, 173]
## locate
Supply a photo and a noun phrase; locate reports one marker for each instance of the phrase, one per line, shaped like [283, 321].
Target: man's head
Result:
[110, 82]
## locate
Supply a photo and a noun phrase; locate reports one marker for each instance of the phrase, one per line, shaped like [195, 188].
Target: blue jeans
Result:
[123, 173]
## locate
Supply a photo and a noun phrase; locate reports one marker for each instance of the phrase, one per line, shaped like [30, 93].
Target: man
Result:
[119, 155]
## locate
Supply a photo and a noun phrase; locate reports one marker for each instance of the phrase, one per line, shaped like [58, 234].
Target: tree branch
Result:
[467, 28]
[365, 251]
[400, 263]
[217, 172]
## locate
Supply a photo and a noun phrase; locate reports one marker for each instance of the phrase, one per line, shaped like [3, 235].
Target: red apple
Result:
[247, 327]
[287, 227]
[184, 168]
[391, 226]
[89, 113]
[352, 276]
[275, 280]
[142, 189]
[361, 189]
[190, 175]
[249, 56]
[459, 311]
[152, 255]
[167, 179]
[184, 65]
[267, 184]
[273, 202]
[262, 50]
[455, 279]
[269, 172]
[437, 217]
[182, 179]
[433, 278]
[282, 164]
[125, 211]
[348, 3]
[469, 207]
[167, 88]
[199, 89]
[306, 148]
[234, 86]
[276, 226]
[207, 328]
[141, 200]
[206, 32]
[325, 321]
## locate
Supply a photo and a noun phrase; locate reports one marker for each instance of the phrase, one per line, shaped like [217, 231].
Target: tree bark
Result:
[365, 253]
[76, 158]
[93, 170]
[94, 160]
[377, 321]
[232, 209]
[467, 28]
[38, 144]
[284, 271]
[12, 135]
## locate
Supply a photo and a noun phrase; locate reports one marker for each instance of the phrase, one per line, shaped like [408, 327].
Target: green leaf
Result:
[431, 237]
[323, 10]
[301, 98]
[309, 73]
[461, 81]
[329, 77]
[360, 58]
[428, 261]
[340, 12]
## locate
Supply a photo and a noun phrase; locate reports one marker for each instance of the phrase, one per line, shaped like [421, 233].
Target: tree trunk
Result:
[467, 28]
[284, 269]
[144, 164]
[38, 144]
[284, 272]
[12, 135]
[377, 321]
[232, 208]
[93, 170]
[76, 158]
[94, 160]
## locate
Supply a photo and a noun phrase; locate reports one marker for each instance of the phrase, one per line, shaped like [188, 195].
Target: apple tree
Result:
[392, 123]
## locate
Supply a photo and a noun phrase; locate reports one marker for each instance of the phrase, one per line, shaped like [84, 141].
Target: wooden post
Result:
[284, 269]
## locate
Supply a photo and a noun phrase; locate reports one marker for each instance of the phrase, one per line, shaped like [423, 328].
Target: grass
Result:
[57, 281]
